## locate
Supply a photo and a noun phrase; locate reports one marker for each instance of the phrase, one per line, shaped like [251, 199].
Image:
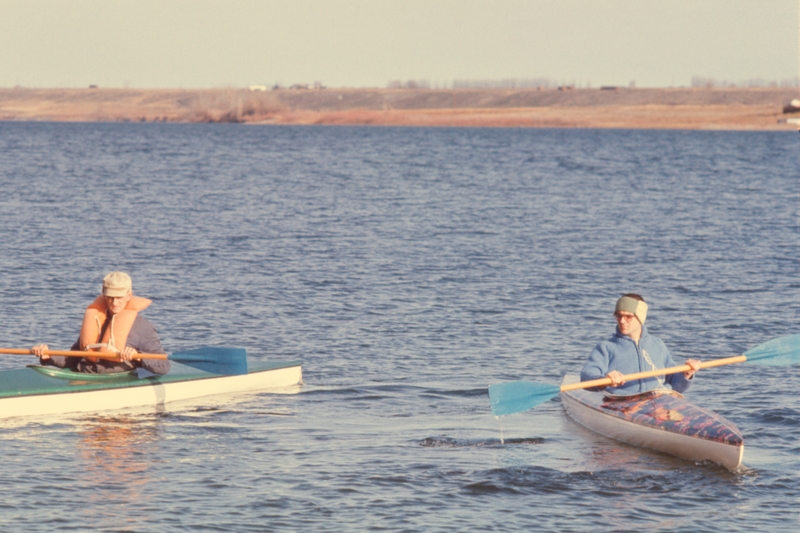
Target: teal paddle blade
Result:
[517, 396]
[214, 359]
[783, 351]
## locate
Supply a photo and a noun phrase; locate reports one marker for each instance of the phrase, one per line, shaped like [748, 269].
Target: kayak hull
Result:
[39, 391]
[662, 421]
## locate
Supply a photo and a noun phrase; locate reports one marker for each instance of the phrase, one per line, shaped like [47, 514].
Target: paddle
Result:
[517, 396]
[213, 359]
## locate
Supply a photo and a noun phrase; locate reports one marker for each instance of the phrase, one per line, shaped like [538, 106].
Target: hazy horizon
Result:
[457, 85]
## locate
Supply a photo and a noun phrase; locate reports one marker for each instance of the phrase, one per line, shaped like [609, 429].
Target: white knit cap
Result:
[632, 305]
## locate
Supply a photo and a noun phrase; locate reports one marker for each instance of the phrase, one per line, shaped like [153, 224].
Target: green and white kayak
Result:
[46, 390]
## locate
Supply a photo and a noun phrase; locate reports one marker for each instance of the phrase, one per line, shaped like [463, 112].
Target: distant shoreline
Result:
[693, 109]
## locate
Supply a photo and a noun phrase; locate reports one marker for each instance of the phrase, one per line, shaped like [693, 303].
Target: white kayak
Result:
[662, 421]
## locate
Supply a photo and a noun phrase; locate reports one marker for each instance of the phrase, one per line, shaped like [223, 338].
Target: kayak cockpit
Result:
[65, 373]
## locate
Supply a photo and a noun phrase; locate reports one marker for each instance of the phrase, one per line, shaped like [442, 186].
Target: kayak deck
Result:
[663, 421]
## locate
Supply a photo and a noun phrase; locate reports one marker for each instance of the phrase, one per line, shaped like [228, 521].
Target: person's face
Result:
[116, 304]
[628, 324]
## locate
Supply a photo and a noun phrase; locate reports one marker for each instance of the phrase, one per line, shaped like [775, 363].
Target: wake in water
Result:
[447, 442]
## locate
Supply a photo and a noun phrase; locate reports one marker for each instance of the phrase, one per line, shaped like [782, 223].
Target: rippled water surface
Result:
[407, 269]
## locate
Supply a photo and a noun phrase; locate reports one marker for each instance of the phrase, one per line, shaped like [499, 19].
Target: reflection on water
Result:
[116, 454]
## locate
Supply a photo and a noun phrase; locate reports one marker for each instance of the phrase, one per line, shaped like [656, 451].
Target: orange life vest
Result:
[116, 334]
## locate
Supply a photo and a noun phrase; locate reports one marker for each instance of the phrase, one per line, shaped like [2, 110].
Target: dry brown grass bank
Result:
[728, 109]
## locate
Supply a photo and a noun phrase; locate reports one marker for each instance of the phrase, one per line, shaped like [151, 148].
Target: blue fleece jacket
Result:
[621, 352]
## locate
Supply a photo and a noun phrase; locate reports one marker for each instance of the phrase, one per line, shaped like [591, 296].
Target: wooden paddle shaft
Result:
[652, 373]
[80, 353]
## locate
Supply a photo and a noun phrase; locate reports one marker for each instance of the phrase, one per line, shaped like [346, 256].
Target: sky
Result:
[370, 43]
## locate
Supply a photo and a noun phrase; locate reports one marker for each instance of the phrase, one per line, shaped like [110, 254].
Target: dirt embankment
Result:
[731, 109]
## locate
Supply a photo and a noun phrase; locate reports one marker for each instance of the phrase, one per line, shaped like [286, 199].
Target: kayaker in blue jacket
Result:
[632, 349]
[112, 323]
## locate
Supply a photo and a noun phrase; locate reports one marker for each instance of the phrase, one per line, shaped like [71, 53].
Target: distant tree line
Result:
[508, 83]
[545, 83]
[711, 83]
[410, 84]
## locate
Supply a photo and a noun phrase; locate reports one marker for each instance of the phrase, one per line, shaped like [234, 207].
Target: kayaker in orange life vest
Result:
[112, 323]
[632, 349]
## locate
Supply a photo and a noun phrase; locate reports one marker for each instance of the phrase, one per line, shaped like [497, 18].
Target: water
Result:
[407, 269]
